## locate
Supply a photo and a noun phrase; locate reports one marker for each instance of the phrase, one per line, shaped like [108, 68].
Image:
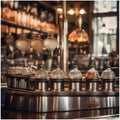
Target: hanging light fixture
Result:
[22, 44]
[82, 11]
[79, 34]
[50, 43]
[37, 43]
[71, 11]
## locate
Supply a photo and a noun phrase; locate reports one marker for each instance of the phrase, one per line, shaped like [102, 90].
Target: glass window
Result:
[104, 27]
[105, 30]
[105, 6]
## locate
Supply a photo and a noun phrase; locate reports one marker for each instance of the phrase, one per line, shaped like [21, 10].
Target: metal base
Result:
[59, 101]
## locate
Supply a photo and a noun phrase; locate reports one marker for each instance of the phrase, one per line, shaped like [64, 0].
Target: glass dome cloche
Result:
[75, 73]
[41, 73]
[92, 74]
[57, 73]
[108, 74]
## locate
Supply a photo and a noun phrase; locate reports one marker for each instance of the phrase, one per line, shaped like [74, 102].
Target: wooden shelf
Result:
[9, 23]
[13, 24]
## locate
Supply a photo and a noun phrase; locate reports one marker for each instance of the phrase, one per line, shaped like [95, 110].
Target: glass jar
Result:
[92, 74]
[108, 80]
[22, 44]
[41, 73]
[41, 76]
[75, 76]
[92, 80]
[108, 74]
[57, 73]
[57, 79]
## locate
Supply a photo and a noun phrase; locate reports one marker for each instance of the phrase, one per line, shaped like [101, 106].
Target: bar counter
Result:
[83, 114]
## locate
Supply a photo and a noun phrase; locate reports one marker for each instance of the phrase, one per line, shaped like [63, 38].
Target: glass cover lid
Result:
[75, 74]
[92, 74]
[108, 74]
[41, 73]
[57, 74]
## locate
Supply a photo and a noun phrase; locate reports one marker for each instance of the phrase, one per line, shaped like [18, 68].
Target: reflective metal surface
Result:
[39, 102]
[108, 86]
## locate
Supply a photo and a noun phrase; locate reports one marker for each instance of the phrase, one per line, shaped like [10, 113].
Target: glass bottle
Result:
[16, 11]
[19, 16]
[33, 13]
[28, 15]
[12, 11]
[24, 16]
[6, 11]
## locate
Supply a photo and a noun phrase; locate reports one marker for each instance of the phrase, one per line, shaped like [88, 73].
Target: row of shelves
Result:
[15, 25]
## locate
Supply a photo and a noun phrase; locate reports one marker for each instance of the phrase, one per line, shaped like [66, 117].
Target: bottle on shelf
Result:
[12, 11]
[19, 16]
[16, 3]
[24, 16]
[6, 11]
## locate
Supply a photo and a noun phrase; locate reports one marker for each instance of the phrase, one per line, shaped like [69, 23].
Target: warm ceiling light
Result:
[79, 34]
[59, 10]
[71, 11]
[82, 11]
